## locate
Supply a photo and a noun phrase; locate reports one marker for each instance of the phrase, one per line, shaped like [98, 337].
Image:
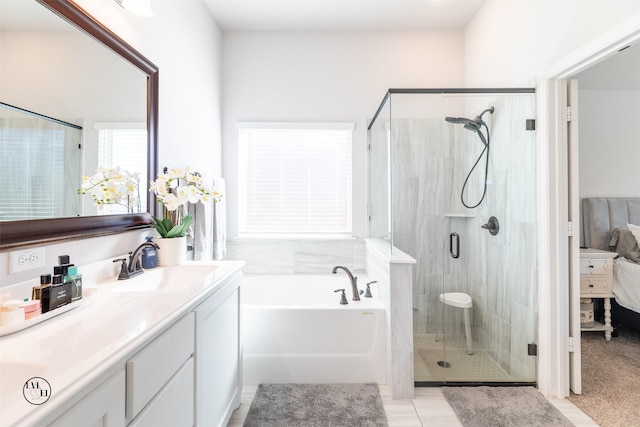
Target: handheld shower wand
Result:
[475, 125]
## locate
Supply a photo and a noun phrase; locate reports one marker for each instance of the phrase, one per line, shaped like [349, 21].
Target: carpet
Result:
[503, 407]
[610, 378]
[316, 405]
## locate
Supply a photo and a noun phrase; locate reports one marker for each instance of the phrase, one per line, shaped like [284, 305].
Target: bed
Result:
[605, 227]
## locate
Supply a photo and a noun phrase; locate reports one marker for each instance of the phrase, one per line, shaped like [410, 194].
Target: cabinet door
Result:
[103, 407]
[218, 356]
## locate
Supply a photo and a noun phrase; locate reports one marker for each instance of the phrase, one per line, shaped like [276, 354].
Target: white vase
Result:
[172, 251]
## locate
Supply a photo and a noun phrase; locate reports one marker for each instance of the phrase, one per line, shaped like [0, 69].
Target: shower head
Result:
[471, 124]
[468, 123]
[478, 118]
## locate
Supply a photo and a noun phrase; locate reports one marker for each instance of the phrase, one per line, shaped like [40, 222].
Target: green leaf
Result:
[161, 226]
[166, 228]
[180, 230]
[167, 224]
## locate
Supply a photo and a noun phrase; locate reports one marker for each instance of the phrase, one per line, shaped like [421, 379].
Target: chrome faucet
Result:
[354, 281]
[133, 268]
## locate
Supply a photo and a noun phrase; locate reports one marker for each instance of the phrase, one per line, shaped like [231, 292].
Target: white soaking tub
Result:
[295, 331]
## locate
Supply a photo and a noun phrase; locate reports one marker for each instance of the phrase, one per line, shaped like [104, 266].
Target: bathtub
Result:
[295, 331]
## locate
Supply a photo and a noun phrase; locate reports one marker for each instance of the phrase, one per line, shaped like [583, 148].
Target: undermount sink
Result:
[167, 279]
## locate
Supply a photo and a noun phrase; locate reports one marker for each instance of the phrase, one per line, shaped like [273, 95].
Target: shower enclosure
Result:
[452, 183]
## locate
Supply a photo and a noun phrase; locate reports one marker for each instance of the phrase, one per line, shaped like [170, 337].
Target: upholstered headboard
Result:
[602, 215]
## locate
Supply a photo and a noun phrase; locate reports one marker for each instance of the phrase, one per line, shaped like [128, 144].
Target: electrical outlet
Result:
[26, 259]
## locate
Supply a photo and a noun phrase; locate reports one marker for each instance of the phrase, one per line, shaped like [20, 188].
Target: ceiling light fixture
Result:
[137, 7]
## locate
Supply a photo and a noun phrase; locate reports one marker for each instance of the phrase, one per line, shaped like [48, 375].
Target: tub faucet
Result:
[133, 268]
[354, 281]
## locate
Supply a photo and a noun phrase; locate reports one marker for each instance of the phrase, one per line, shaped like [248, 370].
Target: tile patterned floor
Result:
[463, 367]
[427, 408]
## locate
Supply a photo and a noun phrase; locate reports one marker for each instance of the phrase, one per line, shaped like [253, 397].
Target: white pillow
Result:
[635, 230]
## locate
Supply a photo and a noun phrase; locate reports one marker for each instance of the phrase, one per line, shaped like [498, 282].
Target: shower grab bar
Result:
[456, 253]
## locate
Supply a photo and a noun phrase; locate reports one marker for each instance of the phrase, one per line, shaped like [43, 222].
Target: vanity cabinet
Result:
[218, 357]
[103, 407]
[174, 361]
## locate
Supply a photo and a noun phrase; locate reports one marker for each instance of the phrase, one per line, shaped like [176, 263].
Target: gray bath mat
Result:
[316, 405]
[503, 407]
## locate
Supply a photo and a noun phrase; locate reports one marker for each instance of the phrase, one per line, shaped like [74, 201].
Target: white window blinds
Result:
[39, 169]
[124, 145]
[295, 178]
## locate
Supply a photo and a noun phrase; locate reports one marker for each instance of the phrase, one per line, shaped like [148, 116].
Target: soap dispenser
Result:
[149, 256]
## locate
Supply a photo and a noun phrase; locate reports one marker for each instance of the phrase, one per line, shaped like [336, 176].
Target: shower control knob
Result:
[493, 226]
[368, 293]
[343, 296]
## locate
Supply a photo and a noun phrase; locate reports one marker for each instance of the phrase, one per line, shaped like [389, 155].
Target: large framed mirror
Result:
[38, 231]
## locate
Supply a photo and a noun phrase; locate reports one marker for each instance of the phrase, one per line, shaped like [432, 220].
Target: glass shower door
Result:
[474, 291]
[487, 307]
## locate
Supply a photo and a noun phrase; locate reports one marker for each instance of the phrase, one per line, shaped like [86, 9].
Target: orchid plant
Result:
[174, 189]
[112, 186]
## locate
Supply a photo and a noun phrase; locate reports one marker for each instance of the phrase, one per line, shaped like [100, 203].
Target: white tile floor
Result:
[427, 408]
[428, 350]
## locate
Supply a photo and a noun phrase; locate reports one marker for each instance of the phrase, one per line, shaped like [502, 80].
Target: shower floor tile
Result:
[477, 367]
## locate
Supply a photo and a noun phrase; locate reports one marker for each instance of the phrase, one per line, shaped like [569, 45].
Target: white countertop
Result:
[73, 350]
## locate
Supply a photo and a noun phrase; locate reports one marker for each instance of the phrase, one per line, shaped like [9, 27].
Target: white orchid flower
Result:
[111, 186]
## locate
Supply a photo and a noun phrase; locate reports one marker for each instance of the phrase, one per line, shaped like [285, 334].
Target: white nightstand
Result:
[596, 281]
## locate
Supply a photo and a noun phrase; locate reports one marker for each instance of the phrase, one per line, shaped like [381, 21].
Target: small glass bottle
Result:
[75, 279]
[59, 294]
[149, 256]
[43, 292]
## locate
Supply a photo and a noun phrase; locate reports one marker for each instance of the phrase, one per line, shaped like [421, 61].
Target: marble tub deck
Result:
[427, 408]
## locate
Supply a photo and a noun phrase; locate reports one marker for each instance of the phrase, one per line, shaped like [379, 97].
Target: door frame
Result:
[552, 171]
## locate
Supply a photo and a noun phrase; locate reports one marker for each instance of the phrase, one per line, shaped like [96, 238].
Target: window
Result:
[124, 145]
[39, 162]
[295, 178]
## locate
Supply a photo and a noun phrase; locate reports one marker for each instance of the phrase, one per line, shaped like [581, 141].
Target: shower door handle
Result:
[454, 250]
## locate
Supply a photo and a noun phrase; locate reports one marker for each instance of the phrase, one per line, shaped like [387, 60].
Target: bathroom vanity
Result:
[162, 348]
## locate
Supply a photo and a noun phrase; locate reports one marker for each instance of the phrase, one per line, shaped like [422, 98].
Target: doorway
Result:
[554, 334]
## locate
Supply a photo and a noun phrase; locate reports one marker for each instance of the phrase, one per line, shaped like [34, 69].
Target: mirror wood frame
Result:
[31, 232]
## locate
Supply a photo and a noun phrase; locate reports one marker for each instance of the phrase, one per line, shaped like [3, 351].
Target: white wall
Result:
[55, 73]
[509, 42]
[184, 41]
[327, 76]
[609, 134]
[84, 83]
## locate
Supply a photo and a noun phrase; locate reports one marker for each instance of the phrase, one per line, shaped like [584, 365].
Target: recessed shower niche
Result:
[442, 163]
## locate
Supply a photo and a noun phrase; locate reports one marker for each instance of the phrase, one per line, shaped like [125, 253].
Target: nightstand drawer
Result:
[594, 286]
[595, 266]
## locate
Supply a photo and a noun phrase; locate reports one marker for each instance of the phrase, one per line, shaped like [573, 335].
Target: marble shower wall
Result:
[430, 161]
[282, 256]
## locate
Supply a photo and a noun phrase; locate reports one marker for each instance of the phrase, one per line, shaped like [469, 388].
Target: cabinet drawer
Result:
[590, 285]
[595, 266]
[150, 369]
[173, 406]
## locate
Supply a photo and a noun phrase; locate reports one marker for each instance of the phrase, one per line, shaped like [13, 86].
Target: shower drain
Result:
[444, 364]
